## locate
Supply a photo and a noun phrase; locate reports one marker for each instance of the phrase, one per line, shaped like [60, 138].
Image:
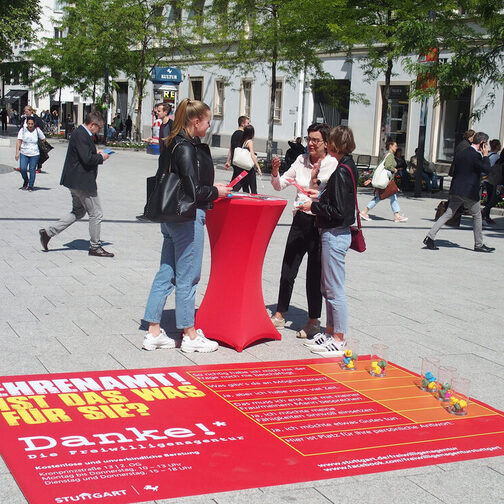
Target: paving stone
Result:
[64, 311]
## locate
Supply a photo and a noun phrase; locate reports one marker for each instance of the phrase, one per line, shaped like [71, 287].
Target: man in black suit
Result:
[79, 175]
[465, 189]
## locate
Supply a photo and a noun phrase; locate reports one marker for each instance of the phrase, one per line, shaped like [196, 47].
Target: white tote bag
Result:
[380, 178]
[242, 158]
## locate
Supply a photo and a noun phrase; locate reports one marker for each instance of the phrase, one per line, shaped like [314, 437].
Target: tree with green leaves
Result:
[470, 41]
[19, 18]
[88, 49]
[264, 35]
[386, 31]
[154, 32]
[102, 38]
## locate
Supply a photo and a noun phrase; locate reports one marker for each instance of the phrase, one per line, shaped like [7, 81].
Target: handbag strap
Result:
[355, 195]
[171, 155]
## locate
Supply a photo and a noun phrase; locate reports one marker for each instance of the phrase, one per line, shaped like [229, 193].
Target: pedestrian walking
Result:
[237, 141]
[468, 165]
[3, 116]
[28, 153]
[390, 166]
[79, 176]
[29, 111]
[309, 171]
[334, 208]
[182, 250]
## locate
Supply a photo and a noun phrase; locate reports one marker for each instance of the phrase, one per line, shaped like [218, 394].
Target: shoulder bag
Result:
[173, 197]
[390, 190]
[44, 148]
[380, 178]
[358, 244]
[243, 158]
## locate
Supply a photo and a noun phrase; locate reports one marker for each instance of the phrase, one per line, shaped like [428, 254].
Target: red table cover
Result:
[233, 310]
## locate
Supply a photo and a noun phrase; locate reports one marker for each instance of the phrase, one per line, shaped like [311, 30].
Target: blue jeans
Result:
[180, 269]
[335, 243]
[394, 204]
[24, 163]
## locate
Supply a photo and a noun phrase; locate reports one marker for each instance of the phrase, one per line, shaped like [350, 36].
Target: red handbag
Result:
[358, 244]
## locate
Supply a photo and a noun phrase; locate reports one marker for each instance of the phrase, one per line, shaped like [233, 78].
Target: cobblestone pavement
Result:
[64, 311]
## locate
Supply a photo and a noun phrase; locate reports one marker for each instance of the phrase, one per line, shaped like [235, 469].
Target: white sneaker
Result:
[198, 344]
[154, 342]
[331, 348]
[364, 216]
[317, 340]
[401, 219]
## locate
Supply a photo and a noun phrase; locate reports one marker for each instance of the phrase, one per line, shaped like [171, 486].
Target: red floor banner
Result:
[139, 435]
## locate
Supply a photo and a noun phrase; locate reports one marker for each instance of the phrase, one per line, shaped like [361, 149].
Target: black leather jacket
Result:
[336, 206]
[192, 160]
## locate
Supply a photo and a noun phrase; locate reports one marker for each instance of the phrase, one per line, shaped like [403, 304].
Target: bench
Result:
[363, 163]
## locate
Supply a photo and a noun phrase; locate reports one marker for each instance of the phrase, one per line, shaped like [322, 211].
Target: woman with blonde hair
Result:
[182, 251]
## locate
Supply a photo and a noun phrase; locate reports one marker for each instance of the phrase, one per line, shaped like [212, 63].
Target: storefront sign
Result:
[163, 75]
[151, 434]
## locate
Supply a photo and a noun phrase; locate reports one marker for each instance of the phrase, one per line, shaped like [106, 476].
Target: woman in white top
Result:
[27, 151]
[309, 171]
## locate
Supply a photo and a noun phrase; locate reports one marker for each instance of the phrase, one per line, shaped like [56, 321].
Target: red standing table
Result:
[233, 310]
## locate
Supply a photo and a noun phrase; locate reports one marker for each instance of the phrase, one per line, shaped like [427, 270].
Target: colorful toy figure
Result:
[349, 360]
[429, 382]
[378, 368]
[445, 392]
[458, 406]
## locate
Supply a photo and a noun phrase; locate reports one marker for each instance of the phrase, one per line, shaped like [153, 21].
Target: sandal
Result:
[308, 330]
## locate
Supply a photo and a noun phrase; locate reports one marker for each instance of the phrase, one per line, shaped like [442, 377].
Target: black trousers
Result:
[303, 238]
[248, 183]
[492, 200]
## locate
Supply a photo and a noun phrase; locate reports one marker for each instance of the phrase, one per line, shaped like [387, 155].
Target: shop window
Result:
[196, 88]
[246, 97]
[219, 98]
[331, 99]
[397, 122]
[277, 108]
[453, 123]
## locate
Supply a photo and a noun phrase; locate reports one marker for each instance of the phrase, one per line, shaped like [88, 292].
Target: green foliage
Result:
[269, 36]
[471, 49]
[380, 32]
[17, 24]
[92, 43]
[106, 37]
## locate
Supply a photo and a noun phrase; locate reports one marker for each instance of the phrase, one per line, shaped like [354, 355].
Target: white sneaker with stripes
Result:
[331, 347]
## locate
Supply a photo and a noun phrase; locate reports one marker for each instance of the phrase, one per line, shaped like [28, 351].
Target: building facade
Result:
[298, 103]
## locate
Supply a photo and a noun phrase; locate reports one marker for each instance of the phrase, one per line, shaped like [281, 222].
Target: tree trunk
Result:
[139, 86]
[59, 112]
[274, 59]
[271, 122]
[385, 111]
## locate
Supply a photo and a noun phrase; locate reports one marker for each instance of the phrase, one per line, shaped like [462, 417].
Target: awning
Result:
[14, 94]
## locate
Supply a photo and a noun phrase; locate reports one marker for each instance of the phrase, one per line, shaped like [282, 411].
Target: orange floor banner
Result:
[147, 434]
